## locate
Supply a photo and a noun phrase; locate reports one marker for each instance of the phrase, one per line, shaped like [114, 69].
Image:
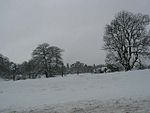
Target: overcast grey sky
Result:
[77, 26]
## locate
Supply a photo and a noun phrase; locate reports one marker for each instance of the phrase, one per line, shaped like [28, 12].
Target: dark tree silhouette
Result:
[47, 58]
[126, 39]
[41, 55]
[5, 71]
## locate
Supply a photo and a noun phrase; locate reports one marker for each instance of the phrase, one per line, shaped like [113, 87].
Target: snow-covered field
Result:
[124, 92]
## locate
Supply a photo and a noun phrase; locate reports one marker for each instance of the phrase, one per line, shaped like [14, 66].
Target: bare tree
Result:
[46, 56]
[126, 39]
[41, 54]
[56, 59]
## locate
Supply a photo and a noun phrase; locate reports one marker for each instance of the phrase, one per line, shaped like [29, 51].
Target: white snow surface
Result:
[72, 90]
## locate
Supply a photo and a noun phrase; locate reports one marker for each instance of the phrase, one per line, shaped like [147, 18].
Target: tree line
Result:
[46, 60]
[126, 40]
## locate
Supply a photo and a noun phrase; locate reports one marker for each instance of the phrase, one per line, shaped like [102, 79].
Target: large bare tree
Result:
[46, 56]
[126, 39]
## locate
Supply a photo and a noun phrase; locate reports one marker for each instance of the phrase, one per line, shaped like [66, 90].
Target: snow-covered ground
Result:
[122, 92]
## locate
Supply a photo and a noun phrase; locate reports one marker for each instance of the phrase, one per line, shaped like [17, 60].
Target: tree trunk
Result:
[46, 74]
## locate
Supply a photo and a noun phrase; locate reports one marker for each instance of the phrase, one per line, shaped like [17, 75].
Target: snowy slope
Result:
[28, 94]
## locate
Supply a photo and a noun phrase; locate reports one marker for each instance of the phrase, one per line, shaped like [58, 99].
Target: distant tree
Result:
[67, 69]
[68, 66]
[56, 60]
[47, 59]
[62, 69]
[13, 68]
[41, 55]
[33, 69]
[4, 67]
[78, 67]
[28, 69]
[113, 67]
[126, 39]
